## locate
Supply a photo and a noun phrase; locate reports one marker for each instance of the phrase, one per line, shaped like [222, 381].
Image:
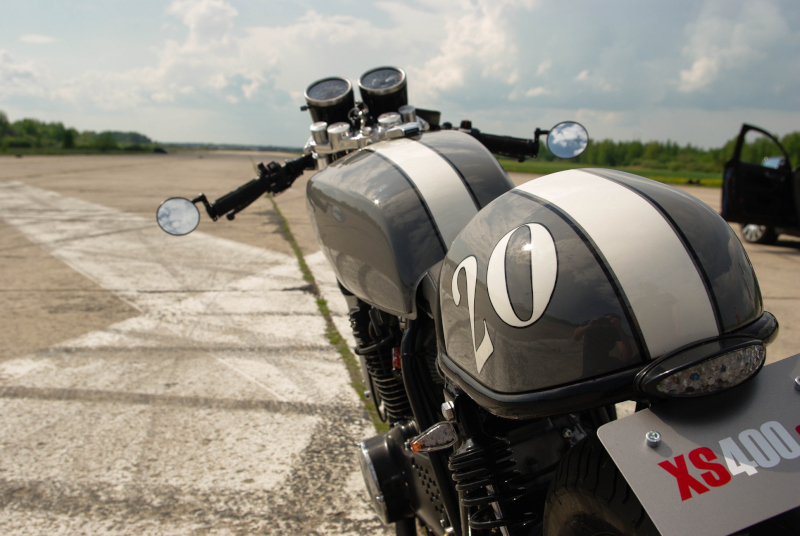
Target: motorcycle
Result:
[497, 327]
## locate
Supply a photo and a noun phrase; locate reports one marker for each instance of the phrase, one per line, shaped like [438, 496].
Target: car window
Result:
[773, 162]
[759, 149]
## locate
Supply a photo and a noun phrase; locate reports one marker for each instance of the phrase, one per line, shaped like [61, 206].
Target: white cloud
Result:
[536, 91]
[206, 60]
[476, 45]
[724, 39]
[595, 81]
[37, 39]
[209, 21]
[503, 64]
[19, 78]
[543, 67]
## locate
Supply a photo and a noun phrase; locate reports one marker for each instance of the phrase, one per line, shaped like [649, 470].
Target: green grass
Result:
[661, 175]
[334, 337]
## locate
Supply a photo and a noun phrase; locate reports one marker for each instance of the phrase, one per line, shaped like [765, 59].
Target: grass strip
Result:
[333, 335]
[699, 178]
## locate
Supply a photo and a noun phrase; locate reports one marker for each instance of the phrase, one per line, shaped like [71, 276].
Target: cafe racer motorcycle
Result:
[497, 327]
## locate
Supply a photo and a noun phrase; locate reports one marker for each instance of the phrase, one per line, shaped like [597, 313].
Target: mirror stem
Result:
[211, 213]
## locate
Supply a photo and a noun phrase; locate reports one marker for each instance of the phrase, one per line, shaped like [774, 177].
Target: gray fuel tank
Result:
[385, 214]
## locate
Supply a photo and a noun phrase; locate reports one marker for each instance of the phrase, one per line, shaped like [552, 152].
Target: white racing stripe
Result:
[649, 260]
[437, 182]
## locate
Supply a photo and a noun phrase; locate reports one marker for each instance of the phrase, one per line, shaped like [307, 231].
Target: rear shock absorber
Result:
[486, 481]
[375, 343]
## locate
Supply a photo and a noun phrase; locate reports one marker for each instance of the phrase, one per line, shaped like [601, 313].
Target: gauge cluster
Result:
[342, 124]
[382, 90]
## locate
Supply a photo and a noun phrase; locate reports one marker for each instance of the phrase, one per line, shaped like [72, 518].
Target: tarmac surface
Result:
[159, 385]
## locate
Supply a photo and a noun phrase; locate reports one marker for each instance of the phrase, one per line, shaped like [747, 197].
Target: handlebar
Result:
[519, 148]
[272, 178]
[508, 146]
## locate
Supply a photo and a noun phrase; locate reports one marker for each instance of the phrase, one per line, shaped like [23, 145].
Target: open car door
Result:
[758, 190]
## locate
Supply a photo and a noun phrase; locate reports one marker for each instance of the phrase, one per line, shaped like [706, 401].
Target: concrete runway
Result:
[159, 385]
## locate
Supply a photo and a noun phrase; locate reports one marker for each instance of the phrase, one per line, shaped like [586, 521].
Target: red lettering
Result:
[686, 482]
[797, 429]
[701, 458]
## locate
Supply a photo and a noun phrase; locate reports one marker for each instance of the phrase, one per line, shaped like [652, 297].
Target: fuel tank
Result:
[555, 295]
[385, 214]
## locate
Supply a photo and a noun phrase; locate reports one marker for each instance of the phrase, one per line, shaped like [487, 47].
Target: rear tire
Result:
[589, 497]
[759, 234]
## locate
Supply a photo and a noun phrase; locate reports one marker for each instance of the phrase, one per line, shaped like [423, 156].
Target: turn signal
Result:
[438, 437]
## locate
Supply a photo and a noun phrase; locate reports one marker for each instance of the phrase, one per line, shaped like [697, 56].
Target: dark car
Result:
[761, 193]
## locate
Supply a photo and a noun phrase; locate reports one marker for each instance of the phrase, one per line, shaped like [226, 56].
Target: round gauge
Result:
[382, 81]
[328, 92]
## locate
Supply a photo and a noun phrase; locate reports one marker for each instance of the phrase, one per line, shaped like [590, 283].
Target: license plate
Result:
[725, 462]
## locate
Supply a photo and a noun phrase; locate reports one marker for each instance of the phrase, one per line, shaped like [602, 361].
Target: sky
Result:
[234, 71]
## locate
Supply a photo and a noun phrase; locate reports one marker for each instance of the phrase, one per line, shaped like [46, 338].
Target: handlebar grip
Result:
[272, 178]
[508, 146]
[240, 197]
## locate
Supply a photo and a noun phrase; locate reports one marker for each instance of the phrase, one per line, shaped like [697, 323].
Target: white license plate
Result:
[725, 462]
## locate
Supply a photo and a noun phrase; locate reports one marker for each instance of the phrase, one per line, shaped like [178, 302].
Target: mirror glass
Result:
[567, 139]
[178, 216]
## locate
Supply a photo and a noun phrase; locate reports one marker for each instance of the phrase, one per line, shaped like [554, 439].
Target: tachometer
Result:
[330, 99]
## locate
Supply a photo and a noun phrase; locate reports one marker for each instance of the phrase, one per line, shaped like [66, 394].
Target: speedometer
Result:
[382, 80]
[383, 89]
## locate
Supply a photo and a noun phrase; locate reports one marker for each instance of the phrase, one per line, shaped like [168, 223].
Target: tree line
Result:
[39, 135]
[33, 134]
[674, 157]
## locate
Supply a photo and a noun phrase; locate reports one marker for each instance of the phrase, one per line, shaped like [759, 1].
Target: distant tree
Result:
[130, 138]
[791, 142]
[68, 138]
[4, 124]
[105, 141]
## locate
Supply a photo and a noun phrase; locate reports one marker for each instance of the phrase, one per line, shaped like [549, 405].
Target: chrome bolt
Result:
[368, 394]
[380, 498]
[450, 531]
[449, 410]
[653, 439]
[567, 433]
[797, 383]
[408, 113]
[319, 131]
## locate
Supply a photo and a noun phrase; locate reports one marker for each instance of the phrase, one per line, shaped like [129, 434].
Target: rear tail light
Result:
[704, 369]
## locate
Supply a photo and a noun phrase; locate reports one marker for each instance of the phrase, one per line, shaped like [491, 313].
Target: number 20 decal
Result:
[544, 268]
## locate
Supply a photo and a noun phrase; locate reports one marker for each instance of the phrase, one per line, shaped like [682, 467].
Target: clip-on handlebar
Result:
[272, 178]
[519, 148]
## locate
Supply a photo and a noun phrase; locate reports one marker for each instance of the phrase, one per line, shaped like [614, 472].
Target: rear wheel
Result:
[759, 234]
[590, 497]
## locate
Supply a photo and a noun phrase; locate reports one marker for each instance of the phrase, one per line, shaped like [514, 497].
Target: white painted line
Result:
[216, 299]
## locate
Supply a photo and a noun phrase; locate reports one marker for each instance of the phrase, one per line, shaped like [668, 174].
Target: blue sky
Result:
[234, 71]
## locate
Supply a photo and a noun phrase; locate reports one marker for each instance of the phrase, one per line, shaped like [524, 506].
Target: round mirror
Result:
[178, 216]
[567, 139]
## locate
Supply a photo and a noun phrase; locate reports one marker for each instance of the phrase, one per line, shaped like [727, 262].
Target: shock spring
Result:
[375, 344]
[488, 485]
